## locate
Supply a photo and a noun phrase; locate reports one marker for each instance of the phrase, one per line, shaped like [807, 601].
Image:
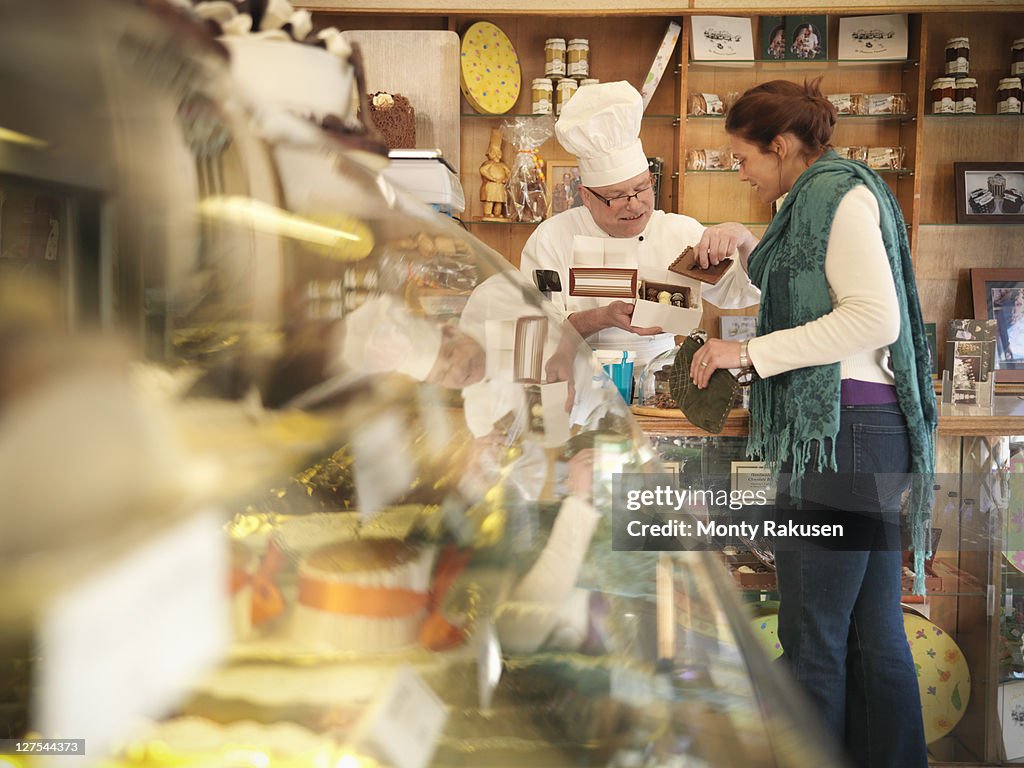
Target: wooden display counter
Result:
[1007, 418]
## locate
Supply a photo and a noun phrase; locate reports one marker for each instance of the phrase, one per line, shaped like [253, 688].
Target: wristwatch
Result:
[744, 357]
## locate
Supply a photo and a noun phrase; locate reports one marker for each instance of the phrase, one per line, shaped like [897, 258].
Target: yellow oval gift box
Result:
[490, 77]
[942, 676]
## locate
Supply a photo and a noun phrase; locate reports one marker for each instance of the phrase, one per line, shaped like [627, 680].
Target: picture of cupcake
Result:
[983, 203]
[997, 185]
[1013, 200]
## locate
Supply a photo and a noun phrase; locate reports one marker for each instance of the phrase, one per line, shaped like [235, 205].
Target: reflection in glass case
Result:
[340, 494]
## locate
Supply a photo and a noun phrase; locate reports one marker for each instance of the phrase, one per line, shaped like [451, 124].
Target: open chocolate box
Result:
[680, 320]
[761, 578]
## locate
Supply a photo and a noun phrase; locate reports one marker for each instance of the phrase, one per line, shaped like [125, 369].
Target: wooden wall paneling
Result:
[945, 256]
[991, 35]
[506, 239]
[947, 140]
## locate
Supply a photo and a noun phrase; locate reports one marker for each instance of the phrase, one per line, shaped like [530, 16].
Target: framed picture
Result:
[563, 182]
[989, 193]
[1011, 715]
[999, 296]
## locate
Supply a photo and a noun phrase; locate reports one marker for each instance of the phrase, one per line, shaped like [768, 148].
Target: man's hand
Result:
[720, 241]
[617, 314]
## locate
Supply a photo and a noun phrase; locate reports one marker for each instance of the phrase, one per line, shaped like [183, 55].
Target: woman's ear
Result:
[779, 146]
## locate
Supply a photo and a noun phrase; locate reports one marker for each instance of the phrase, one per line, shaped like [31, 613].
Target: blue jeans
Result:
[840, 621]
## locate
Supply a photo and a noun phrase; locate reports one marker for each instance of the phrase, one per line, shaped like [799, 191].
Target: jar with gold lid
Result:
[1008, 96]
[958, 56]
[578, 65]
[554, 57]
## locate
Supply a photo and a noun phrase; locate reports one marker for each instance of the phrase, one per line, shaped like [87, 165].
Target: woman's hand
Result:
[721, 241]
[709, 358]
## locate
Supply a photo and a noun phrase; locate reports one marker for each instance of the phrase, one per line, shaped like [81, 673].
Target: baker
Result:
[600, 125]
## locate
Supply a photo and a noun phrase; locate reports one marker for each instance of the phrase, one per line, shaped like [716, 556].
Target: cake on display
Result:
[363, 596]
[395, 118]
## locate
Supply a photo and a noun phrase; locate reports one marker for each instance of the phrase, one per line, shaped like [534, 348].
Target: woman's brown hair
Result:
[779, 106]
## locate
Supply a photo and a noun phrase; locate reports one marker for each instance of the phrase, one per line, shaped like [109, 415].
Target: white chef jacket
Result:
[664, 238]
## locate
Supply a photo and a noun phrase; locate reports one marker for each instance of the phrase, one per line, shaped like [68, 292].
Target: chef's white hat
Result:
[381, 335]
[600, 124]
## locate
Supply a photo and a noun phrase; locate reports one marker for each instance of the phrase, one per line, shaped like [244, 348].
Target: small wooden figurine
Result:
[495, 175]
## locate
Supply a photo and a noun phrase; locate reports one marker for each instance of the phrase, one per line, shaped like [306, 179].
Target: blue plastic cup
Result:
[619, 367]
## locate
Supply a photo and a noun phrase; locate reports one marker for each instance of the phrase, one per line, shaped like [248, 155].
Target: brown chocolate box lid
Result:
[686, 265]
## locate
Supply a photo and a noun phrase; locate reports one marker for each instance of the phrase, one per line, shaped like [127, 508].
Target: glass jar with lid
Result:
[542, 96]
[554, 57]
[564, 91]
[578, 58]
[958, 56]
[654, 390]
[966, 95]
[1008, 96]
[944, 96]
[1017, 57]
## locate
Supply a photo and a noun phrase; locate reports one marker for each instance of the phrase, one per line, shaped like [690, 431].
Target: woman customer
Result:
[843, 408]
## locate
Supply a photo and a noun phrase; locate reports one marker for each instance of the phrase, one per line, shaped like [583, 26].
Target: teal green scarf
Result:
[795, 415]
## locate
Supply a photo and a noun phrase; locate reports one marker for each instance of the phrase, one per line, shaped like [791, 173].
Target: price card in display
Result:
[403, 726]
[753, 476]
[488, 665]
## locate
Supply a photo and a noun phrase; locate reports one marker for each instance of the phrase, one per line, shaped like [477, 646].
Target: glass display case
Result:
[965, 633]
[339, 493]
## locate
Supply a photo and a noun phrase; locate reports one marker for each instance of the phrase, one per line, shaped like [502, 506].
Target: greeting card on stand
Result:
[738, 327]
[772, 37]
[722, 38]
[873, 37]
[962, 331]
[970, 355]
[807, 38]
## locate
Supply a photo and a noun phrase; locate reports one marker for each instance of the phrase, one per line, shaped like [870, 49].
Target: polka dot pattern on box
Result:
[489, 70]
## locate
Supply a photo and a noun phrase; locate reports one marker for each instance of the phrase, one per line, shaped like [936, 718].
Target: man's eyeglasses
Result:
[622, 200]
